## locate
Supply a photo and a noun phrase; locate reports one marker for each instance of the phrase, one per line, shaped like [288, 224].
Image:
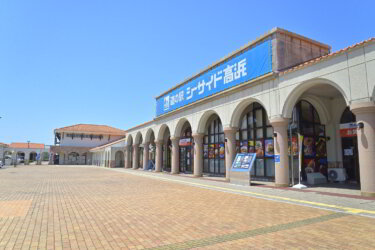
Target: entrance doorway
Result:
[349, 145]
[306, 121]
[186, 153]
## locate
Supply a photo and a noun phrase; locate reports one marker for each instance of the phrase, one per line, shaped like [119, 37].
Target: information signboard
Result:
[243, 162]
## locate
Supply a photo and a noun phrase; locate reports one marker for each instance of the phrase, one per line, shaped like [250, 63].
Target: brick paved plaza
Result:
[49, 207]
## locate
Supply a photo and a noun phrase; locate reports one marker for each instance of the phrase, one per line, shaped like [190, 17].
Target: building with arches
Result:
[24, 152]
[73, 143]
[256, 100]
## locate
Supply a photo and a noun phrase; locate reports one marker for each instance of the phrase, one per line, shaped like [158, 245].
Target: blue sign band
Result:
[249, 65]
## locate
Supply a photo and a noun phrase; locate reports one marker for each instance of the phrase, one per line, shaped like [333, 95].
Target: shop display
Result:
[320, 146]
[222, 151]
[259, 148]
[308, 147]
[269, 148]
[211, 151]
[243, 147]
[293, 146]
[251, 147]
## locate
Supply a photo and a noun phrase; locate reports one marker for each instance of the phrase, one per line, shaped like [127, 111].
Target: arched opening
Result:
[141, 151]
[130, 152]
[7, 157]
[119, 159]
[166, 149]
[306, 121]
[349, 145]
[20, 157]
[255, 135]
[32, 156]
[186, 149]
[150, 137]
[214, 147]
[84, 159]
[73, 158]
[315, 108]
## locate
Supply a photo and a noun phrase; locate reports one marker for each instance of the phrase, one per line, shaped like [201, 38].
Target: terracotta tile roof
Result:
[3, 144]
[326, 57]
[26, 145]
[91, 128]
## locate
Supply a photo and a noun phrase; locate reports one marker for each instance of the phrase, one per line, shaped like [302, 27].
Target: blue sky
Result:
[103, 62]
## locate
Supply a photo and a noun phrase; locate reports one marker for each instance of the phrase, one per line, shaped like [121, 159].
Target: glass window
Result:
[259, 118]
[270, 167]
[306, 111]
[259, 167]
[244, 123]
[269, 131]
[261, 128]
[214, 152]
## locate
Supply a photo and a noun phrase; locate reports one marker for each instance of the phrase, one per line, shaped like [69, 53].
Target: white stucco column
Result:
[135, 156]
[198, 155]
[127, 156]
[365, 114]
[230, 149]
[280, 127]
[146, 150]
[175, 155]
[159, 155]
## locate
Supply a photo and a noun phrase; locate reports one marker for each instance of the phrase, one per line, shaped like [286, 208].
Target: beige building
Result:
[24, 152]
[109, 155]
[73, 143]
[256, 100]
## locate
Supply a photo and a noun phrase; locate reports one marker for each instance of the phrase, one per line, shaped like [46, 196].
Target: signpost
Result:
[300, 144]
[241, 167]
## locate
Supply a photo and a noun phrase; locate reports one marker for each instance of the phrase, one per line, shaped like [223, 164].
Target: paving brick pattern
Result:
[45, 207]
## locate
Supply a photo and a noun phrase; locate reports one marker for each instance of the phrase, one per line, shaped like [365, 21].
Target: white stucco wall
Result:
[87, 142]
[351, 73]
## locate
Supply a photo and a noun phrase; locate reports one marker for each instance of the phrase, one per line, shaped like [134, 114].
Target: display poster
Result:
[211, 151]
[216, 150]
[205, 151]
[269, 148]
[185, 142]
[308, 147]
[348, 151]
[293, 146]
[259, 148]
[222, 150]
[243, 162]
[348, 129]
[243, 147]
[251, 147]
[320, 147]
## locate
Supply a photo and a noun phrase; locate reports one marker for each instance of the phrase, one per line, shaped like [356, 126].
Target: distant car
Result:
[20, 160]
[1, 163]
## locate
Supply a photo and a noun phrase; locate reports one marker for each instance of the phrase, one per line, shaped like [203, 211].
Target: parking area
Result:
[62, 207]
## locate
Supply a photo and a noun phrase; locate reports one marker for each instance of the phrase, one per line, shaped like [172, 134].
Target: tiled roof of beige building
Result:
[3, 144]
[26, 145]
[326, 57]
[91, 128]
